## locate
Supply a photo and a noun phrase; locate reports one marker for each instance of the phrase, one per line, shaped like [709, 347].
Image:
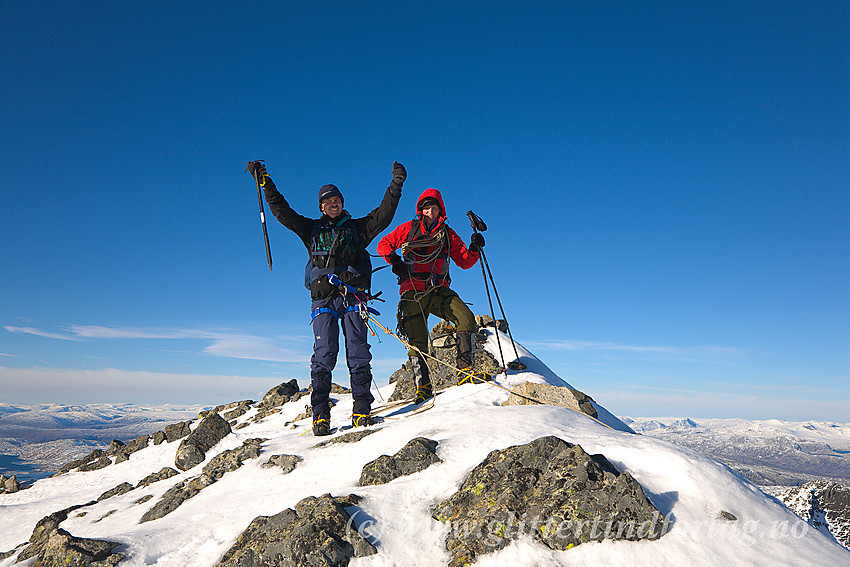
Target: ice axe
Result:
[479, 225]
[253, 173]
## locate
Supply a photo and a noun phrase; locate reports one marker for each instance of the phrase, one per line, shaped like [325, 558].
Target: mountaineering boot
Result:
[321, 424]
[421, 379]
[465, 349]
[469, 376]
[362, 420]
[360, 415]
[465, 360]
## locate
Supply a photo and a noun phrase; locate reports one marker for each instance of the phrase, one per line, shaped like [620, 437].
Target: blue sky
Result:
[666, 186]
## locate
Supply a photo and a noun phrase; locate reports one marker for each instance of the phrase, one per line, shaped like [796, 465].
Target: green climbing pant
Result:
[442, 302]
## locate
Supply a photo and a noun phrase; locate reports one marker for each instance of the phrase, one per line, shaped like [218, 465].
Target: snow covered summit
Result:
[712, 516]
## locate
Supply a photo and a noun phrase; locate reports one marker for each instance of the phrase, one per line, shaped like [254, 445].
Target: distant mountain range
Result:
[767, 452]
[35, 440]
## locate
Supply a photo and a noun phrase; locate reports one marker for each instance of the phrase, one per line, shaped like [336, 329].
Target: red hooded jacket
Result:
[434, 269]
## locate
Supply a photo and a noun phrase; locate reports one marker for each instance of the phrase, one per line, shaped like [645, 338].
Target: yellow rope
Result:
[469, 374]
[491, 382]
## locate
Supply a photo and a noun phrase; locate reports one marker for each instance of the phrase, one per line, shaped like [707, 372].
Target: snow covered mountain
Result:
[768, 452]
[265, 469]
[36, 440]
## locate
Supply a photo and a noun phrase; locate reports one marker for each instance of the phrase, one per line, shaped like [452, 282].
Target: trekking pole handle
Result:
[476, 222]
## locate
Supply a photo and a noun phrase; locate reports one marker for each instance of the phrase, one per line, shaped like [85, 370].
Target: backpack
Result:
[337, 244]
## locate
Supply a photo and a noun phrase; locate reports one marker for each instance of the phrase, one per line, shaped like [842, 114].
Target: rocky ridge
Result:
[317, 531]
[824, 505]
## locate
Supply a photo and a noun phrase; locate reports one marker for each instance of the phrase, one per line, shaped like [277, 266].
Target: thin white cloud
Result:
[40, 333]
[221, 343]
[7, 354]
[254, 348]
[62, 385]
[98, 332]
[698, 350]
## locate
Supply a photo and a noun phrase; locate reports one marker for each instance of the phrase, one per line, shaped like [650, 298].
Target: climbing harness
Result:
[335, 249]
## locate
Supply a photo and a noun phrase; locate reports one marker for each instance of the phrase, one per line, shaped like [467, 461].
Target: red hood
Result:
[436, 195]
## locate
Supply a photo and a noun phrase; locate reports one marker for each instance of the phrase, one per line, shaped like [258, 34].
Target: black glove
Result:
[476, 242]
[398, 266]
[399, 174]
[257, 169]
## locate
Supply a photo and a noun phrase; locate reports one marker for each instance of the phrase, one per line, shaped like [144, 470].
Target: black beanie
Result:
[328, 191]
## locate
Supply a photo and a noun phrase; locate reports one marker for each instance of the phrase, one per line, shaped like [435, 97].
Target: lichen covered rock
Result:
[286, 463]
[223, 463]
[417, 455]
[551, 490]
[193, 448]
[318, 533]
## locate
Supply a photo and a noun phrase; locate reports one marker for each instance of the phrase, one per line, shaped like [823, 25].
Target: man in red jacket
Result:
[427, 243]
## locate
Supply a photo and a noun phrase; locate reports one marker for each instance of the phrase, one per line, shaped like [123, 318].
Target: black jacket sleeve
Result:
[300, 225]
[380, 218]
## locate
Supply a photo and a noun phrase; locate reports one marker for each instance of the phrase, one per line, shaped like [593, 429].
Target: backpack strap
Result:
[362, 266]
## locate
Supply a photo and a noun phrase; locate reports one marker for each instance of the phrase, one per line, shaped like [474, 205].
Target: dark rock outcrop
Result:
[442, 345]
[85, 461]
[64, 550]
[417, 455]
[138, 443]
[231, 459]
[281, 394]
[9, 485]
[175, 496]
[177, 430]
[164, 472]
[286, 463]
[115, 447]
[120, 489]
[551, 490]
[221, 464]
[193, 448]
[237, 409]
[97, 464]
[278, 396]
[45, 527]
[117, 452]
[318, 533]
[7, 554]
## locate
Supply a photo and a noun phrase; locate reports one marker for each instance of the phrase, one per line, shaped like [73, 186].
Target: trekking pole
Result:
[477, 224]
[262, 215]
